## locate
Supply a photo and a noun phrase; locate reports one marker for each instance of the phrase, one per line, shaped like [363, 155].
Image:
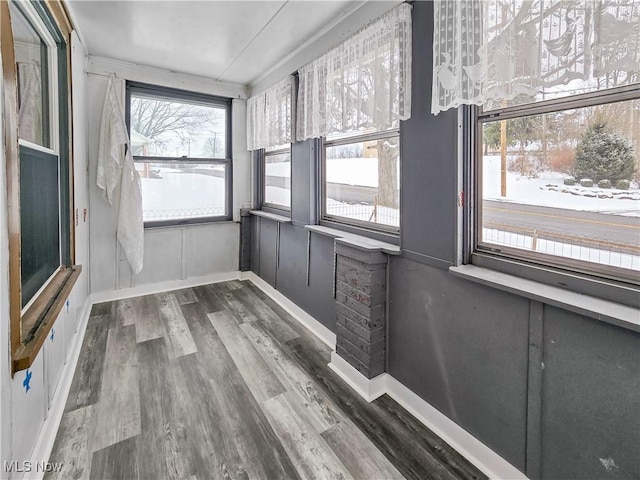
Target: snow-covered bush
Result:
[586, 182]
[604, 183]
[570, 181]
[604, 153]
[623, 184]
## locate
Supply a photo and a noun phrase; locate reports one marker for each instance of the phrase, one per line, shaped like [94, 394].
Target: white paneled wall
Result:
[30, 405]
[172, 253]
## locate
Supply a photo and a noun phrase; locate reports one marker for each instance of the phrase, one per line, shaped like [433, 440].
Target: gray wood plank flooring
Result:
[218, 381]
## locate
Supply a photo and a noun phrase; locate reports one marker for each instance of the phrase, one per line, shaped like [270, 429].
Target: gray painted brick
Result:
[362, 279]
[352, 263]
[359, 342]
[353, 361]
[361, 308]
[364, 333]
[370, 323]
[368, 257]
[359, 352]
[367, 298]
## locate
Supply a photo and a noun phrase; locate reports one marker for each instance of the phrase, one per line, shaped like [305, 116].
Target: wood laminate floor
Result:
[220, 382]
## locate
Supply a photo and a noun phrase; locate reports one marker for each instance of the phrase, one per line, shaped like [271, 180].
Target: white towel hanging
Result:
[116, 167]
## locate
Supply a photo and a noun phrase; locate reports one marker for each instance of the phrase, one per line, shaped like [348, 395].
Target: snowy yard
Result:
[536, 191]
[178, 193]
[165, 198]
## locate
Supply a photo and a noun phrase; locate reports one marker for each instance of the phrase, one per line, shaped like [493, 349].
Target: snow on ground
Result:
[561, 249]
[278, 196]
[279, 169]
[353, 171]
[535, 191]
[179, 194]
[383, 215]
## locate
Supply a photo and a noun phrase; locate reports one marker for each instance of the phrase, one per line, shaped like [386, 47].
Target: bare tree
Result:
[152, 118]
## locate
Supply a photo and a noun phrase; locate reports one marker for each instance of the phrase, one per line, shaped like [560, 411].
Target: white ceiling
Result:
[231, 41]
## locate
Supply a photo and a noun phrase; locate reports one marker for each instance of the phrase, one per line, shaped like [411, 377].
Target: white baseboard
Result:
[369, 389]
[476, 452]
[485, 459]
[49, 430]
[161, 287]
[317, 328]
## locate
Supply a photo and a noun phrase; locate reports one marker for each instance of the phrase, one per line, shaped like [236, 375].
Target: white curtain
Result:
[30, 110]
[115, 167]
[269, 116]
[490, 52]
[363, 84]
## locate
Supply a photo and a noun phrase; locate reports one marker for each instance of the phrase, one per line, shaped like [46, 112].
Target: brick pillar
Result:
[245, 240]
[361, 278]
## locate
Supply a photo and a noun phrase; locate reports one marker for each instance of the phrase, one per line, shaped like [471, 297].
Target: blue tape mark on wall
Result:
[67, 306]
[53, 333]
[27, 381]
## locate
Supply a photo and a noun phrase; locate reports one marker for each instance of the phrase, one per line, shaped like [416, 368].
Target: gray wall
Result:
[556, 394]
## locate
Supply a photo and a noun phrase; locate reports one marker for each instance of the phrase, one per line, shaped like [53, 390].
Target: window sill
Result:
[45, 310]
[356, 241]
[187, 223]
[610, 312]
[271, 216]
[380, 235]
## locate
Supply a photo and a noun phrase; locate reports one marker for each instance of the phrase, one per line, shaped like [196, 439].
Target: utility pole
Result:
[503, 158]
[503, 154]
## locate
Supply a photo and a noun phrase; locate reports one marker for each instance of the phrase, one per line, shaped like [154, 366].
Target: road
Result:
[597, 229]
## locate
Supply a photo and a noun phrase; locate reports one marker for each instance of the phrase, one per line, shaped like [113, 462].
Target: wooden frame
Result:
[49, 302]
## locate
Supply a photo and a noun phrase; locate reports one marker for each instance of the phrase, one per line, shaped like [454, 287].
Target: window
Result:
[558, 182]
[34, 52]
[361, 180]
[553, 139]
[277, 178]
[181, 145]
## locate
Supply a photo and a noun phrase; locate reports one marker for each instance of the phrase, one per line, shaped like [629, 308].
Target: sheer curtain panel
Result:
[363, 84]
[504, 52]
[269, 116]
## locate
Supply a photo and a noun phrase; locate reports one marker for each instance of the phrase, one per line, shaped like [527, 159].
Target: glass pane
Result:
[177, 191]
[175, 128]
[277, 179]
[31, 63]
[566, 184]
[39, 220]
[554, 49]
[363, 181]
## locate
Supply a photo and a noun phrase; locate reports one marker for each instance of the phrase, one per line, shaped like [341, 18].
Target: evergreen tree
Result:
[604, 154]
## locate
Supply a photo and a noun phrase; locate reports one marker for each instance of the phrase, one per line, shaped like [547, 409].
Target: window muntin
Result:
[35, 56]
[529, 206]
[181, 149]
[277, 178]
[361, 183]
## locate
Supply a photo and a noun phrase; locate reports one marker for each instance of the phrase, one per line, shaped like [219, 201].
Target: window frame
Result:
[379, 231]
[268, 206]
[607, 282]
[165, 93]
[42, 309]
